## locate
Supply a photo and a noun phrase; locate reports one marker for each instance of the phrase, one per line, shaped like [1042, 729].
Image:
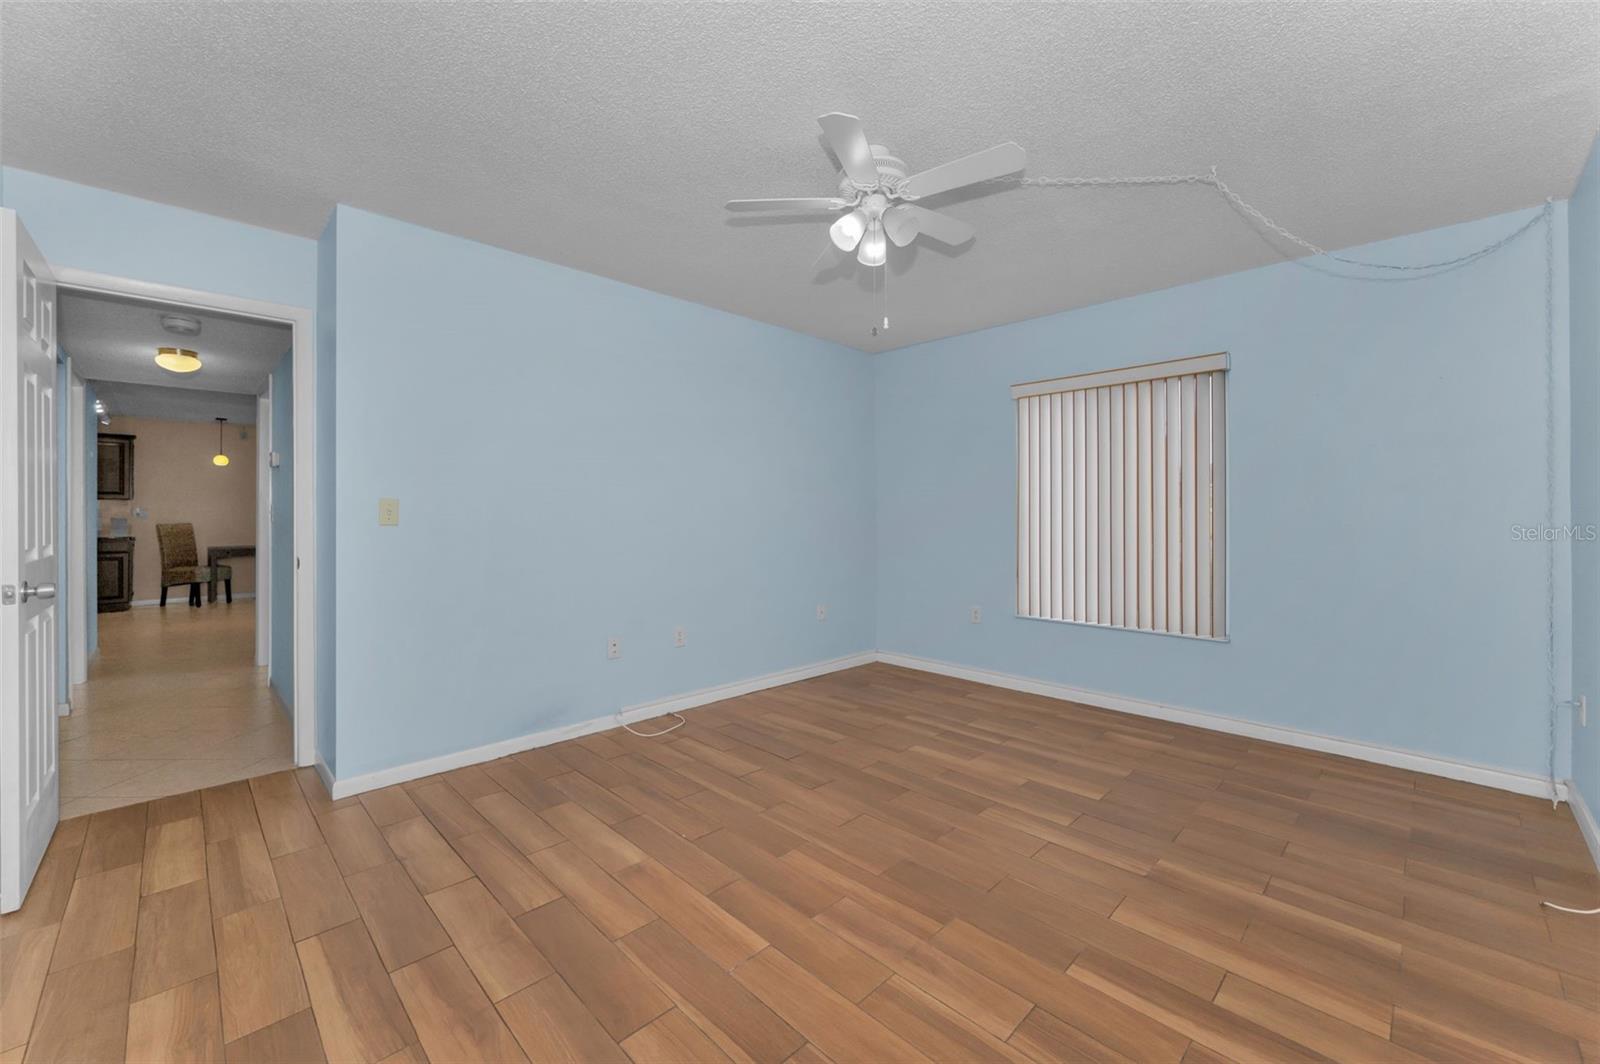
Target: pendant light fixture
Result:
[177, 359]
[220, 458]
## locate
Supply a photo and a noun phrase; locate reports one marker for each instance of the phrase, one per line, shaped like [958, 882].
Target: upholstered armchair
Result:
[180, 562]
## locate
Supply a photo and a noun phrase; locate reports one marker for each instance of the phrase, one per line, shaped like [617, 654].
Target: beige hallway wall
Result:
[174, 480]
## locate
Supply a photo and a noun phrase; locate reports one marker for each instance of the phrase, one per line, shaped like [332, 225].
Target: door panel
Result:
[29, 561]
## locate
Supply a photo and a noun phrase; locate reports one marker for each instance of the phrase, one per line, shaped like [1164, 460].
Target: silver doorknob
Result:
[43, 591]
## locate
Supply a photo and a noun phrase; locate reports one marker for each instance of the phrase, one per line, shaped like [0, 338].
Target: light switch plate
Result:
[388, 511]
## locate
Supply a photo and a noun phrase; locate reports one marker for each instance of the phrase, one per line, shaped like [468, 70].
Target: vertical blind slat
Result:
[1043, 606]
[1080, 509]
[1055, 507]
[1219, 503]
[1116, 459]
[1146, 574]
[1158, 505]
[1091, 495]
[1186, 532]
[1033, 503]
[1024, 482]
[1202, 514]
[1130, 505]
[1174, 505]
[1103, 505]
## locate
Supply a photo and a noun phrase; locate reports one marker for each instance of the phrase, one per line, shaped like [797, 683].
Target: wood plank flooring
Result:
[877, 865]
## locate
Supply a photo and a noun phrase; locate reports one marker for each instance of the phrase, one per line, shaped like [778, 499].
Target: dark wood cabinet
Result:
[115, 574]
[115, 466]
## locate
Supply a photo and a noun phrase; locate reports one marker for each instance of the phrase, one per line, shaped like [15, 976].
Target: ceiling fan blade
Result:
[998, 161]
[849, 143]
[900, 223]
[936, 226]
[846, 233]
[804, 203]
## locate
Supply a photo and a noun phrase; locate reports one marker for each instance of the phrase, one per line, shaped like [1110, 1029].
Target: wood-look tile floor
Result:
[871, 866]
[174, 702]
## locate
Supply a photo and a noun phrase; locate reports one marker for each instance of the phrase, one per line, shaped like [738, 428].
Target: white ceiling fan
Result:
[881, 198]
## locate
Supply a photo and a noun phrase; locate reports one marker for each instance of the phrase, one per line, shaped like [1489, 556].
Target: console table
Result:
[215, 556]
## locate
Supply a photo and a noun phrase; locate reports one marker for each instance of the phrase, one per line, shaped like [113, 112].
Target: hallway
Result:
[173, 703]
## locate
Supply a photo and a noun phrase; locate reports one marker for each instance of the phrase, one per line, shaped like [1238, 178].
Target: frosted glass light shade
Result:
[874, 249]
[177, 359]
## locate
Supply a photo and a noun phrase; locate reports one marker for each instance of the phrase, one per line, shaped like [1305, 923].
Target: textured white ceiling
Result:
[607, 136]
[173, 404]
[115, 339]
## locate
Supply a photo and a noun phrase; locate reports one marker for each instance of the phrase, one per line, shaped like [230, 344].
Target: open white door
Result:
[30, 784]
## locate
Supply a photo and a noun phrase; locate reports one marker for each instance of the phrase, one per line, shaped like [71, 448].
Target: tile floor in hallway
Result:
[174, 703]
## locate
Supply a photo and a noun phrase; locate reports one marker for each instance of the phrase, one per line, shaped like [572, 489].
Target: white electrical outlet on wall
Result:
[613, 648]
[822, 613]
[680, 636]
[977, 615]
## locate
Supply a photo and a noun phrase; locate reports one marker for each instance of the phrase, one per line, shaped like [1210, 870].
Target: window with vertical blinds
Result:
[1122, 498]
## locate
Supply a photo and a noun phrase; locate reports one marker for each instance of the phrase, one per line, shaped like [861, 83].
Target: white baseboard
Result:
[387, 777]
[1586, 821]
[1470, 772]
[327, 777]
[172, 600]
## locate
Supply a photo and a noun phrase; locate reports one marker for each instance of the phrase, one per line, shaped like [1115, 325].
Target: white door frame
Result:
[78, 572]
[264, 527]
[304, 418]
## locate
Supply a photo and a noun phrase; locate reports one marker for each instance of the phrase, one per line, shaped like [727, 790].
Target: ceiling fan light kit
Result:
[878, 194]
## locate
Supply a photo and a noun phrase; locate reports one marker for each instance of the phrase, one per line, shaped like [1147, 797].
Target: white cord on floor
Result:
[1563, 908]
[631, 730]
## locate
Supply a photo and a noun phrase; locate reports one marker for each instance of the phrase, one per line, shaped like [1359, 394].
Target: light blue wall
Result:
[575, 459]
[280, 670]
[1383, 439]
[91, 512]
[327, 447]
[64, 602]
[107, 232]
[1583, 217]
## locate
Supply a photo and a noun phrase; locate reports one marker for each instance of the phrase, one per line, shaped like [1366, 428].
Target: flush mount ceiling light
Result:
[180, 324]
[177, 359]
[879, 195]
[220, 458]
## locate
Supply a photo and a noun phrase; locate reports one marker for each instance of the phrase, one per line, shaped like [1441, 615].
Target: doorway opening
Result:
[187, 516]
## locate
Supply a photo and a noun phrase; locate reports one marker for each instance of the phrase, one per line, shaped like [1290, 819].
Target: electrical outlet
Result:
[613, 648]
[822, 613]
[977, 615]
[680, 636]
[388, 511]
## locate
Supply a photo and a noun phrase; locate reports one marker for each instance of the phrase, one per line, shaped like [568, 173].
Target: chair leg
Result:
[227, 586]
[194, 594]
[163, 596]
